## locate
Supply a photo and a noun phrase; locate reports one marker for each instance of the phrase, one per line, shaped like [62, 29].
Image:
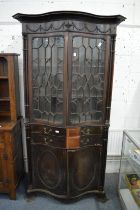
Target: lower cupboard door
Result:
[3, 171]
[84, 170]
[49, 169]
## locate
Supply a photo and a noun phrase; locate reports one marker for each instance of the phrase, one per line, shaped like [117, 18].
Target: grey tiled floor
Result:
[43, 202]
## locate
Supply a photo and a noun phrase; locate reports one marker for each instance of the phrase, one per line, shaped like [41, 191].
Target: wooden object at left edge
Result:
[11, 155]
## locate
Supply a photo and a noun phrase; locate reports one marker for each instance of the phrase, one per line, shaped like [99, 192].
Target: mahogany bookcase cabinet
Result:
[11, 162]
[68, 67]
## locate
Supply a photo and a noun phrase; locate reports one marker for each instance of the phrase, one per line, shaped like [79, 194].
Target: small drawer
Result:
[73, 142]
[91, 130]
[49, 140]
[94, 140]
[72, 132]
[48, 130]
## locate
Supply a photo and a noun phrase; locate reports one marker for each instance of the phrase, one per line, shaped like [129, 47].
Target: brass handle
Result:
[98, 145]
[87, 140]
[45, 139]
[72, 150]
[45, 131]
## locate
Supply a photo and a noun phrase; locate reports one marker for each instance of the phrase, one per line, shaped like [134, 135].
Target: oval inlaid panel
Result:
[84, 168]
[49, 170]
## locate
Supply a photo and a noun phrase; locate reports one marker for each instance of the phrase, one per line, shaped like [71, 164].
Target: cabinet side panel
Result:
[110, 60]
[25, 74]
[17, 153]
[16, 76]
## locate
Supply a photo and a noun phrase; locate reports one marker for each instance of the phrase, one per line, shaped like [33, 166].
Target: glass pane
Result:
[47, 78]
[87, 80]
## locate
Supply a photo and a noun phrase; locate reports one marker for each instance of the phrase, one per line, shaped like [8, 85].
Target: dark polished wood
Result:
[49, 169]
[68, 74]
[84, 170]
[47, 17]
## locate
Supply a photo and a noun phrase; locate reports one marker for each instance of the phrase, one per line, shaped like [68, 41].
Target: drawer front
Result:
[93, 140]
[73, 138]
[91, 130]
[48, 130]
[56, 141]
[67, 137]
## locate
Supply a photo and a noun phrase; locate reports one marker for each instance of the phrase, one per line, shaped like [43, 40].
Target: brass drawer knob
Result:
[45, 139]
[45, 131]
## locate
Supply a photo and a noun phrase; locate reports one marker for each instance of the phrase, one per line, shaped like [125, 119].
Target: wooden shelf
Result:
[3, 77]
[4, 99]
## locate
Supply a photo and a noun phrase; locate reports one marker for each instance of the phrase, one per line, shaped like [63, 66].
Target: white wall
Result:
[125, 112]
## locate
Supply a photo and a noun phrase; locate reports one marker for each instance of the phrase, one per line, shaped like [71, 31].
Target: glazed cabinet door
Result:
[84, 170]
[48, 169]
[68, 78]
[87, 73]
[46, 78]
